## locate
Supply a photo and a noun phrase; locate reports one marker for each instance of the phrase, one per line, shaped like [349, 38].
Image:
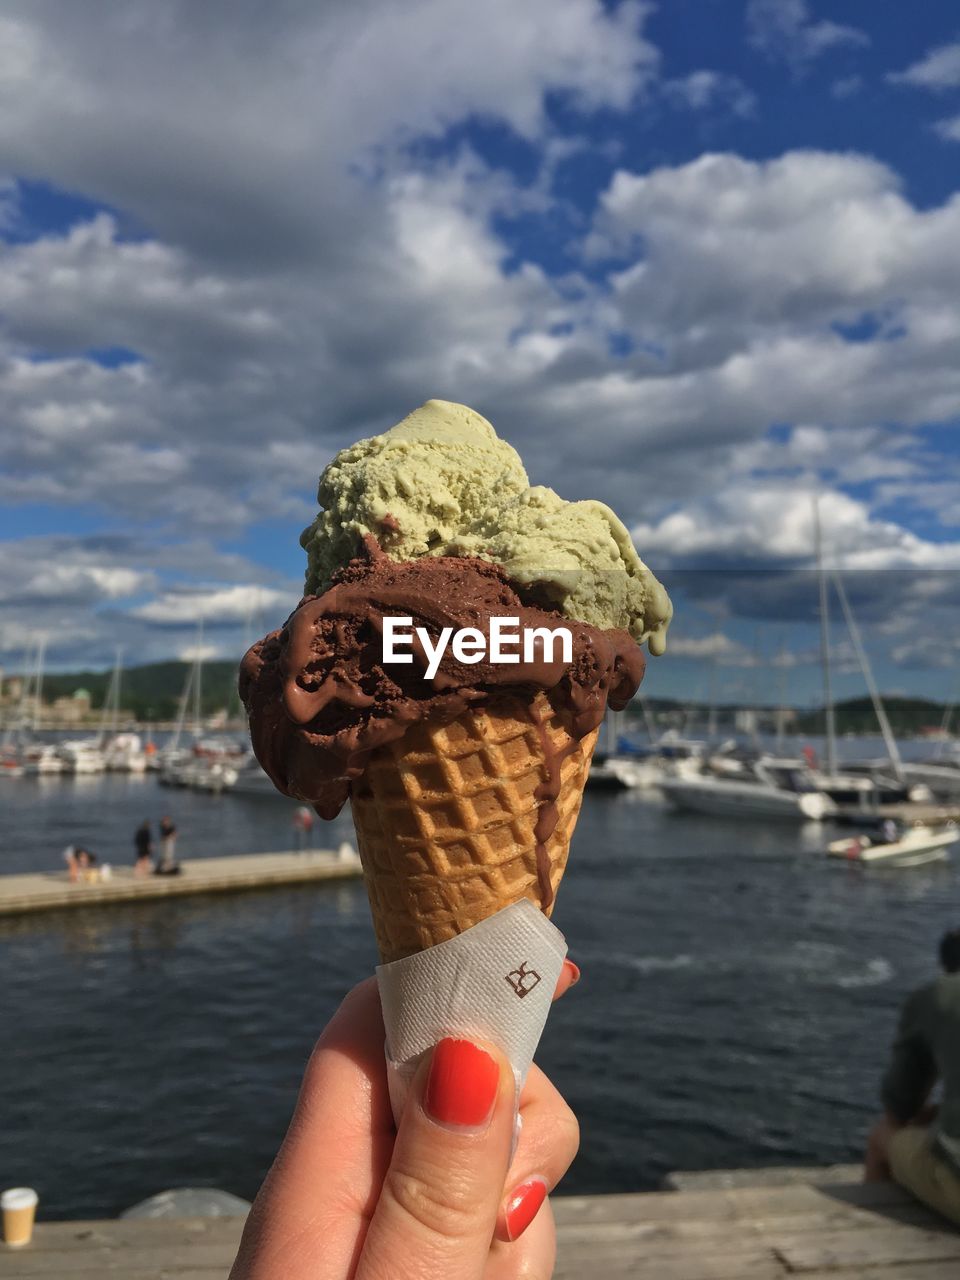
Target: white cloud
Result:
[213, 606]
[931, 651]
[201, 652]
[743, 523]
[786, 29]
[717, 646]
[847, 86]
[740, 271]
[243, 146]
[83, 583]
[711, 90]
[949, 129]
[938, 69]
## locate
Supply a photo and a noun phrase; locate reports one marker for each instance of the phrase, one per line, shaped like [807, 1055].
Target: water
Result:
[738, 996]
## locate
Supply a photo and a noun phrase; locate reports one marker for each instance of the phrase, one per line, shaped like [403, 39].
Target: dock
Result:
[930, 815]
[21, 894]
[770, 1229]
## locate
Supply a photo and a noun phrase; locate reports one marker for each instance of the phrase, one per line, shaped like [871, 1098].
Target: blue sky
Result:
[696, 259]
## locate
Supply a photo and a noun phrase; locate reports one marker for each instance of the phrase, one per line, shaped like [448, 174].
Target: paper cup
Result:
[19, 1205]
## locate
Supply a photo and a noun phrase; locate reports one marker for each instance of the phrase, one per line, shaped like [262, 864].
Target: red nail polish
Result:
[462, 1085]
[523, 1206]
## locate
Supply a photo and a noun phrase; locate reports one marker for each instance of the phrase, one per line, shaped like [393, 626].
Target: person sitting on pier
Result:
[915, 1143]
[87, 868]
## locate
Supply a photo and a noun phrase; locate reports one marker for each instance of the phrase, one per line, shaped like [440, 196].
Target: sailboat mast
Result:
[174, 742]
[880, 710]
[111, 704]
[38, 686]
[198, 666]
[831, 726]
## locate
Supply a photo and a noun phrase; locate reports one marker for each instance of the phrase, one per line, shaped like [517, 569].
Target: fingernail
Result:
[573, 970]
[462, 1085]
[523, 1206]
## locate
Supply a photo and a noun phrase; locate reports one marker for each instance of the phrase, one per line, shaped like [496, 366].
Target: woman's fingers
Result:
[549, 1139]
[569, 975]
[532, 1257]
[440, 1198]
[311, 1213]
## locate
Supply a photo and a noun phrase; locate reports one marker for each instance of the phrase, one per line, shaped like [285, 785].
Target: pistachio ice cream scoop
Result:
[442, 483]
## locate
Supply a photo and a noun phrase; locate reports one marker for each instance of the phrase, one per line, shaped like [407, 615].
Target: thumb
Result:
[438, 1207]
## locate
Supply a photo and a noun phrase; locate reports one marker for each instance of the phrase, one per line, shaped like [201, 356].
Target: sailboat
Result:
[122, 752]
[855, 790]
[209, 764]
[173, 756]
[37, 757]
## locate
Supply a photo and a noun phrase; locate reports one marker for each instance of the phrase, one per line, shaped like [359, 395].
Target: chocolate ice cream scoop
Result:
[321, 698]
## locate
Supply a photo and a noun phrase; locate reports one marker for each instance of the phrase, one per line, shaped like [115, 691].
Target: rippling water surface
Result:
[737, 1000]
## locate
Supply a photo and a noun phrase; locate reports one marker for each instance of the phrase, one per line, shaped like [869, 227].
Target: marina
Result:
[828, 1230]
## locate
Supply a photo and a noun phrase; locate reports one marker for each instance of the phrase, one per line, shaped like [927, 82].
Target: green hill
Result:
[856, 715]
[152, 692]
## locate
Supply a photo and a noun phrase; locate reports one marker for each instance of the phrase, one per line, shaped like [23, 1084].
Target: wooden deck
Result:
[828, 1232]
[20, 894]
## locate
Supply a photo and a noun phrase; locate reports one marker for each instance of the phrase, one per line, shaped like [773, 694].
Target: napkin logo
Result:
[522, 979]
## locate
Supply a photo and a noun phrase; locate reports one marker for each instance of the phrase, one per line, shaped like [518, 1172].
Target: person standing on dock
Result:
[303, 827]
[168, 838]
[915, 1143]
[143, 843]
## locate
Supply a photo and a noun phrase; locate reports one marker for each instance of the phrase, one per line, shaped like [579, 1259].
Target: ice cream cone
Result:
[448, 819]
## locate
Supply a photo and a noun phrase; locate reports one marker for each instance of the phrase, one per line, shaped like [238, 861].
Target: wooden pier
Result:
[20, 894]
[823, 1231]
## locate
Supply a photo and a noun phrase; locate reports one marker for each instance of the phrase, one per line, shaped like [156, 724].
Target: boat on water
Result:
[42, 758]
[613, 768]
[622, 772]
[916, 847]
[252, 781]
[761, 788]
[82, 755]
[200, 774]
[10, 766]
[862, 788]
[124, 753]
[940, 777]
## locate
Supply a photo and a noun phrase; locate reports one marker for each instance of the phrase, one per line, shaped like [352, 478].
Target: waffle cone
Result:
[446, 819]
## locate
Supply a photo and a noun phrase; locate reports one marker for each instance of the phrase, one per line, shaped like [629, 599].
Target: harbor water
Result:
[738, 997]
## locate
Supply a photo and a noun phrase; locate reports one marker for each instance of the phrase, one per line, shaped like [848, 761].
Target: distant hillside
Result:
[856, 715]
[152, 692]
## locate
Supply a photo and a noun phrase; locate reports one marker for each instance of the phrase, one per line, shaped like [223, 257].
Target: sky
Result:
[697, 259]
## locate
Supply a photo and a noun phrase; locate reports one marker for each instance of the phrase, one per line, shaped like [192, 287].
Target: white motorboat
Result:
[252, 781]
[765, 789]
[124, 753]
[200, 774]
[603, 776]
[914, 848]
[83, 755]
[42, 759]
